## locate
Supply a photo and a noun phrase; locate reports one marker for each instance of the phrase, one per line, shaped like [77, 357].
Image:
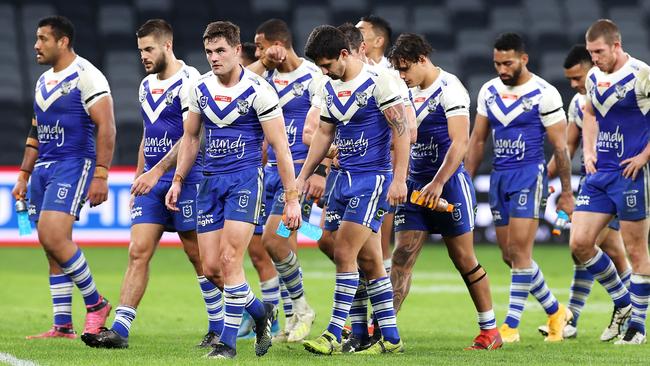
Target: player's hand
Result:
[301, 185]
[171, 198]
[145, 182]
[274, 56]
[566, 202]
[316, 185]
[20, 190]
[98, 192]
[396, 192]
[633, 165]
[431, 193]
[590, 162]
[292, 216]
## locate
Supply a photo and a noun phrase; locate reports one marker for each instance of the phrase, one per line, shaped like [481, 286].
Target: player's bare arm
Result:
[477, 145]
[187, 151]
[101, 113]
[589, 136]
[572, 141]
[276, 136]
[458, 128]
[397, 120]
[27, 166]
[319, 148]
[412, 123]
[557, 137]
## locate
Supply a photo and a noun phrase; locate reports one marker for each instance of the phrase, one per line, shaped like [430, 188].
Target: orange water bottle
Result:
[441, 206]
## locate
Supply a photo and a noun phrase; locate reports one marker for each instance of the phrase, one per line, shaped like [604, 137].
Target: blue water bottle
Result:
[560, 222]
[307, 229]
[24, 226]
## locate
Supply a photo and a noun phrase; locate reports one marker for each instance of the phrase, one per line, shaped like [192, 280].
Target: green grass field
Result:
[436, 322]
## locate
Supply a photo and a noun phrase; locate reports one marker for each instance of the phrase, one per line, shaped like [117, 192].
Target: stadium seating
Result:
[461, 32]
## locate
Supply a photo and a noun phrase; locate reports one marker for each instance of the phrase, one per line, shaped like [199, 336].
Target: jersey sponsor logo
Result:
[582, 200]
[204, 220]
[281, 82]
[419, 100]
[352, 146]
[48, 133]
[136, 211]
[361, 98]
[292, 132]
[423, 150]
[504, 148]
[157, 91]
[399, 220]
[154, 146]
[509, 96]
[604, 84]
[52, 82]
[219, 148]
[344, 93]
[222, 98]
[332, 216]
[608, 141]
[242, 107]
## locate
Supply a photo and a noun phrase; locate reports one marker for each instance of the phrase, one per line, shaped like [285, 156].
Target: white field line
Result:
[13, 361]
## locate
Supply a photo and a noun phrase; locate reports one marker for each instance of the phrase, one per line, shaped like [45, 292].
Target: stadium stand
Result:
[461, 31]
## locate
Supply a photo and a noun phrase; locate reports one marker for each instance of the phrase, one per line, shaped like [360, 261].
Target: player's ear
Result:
[524, 58]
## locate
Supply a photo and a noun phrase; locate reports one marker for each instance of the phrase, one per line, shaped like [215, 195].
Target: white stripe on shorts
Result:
[374, 199]
[468, 198]
[81, 183]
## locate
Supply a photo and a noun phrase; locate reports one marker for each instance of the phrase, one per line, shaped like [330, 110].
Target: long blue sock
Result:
[344, 290]
[271, 292]
[380, 292]
[124, 316]
[61, 286]
[213, 304]
[640, 289]
[359, 310]
[603, 270]
[580, 289]
[542, 293]
[291, 274]
[625, 277]
[519, 289]
[287, 304]
[78, 270]
[237, 298]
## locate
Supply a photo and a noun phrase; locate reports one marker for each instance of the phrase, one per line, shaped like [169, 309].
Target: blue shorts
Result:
[150, 208]
[614, 224]
[60, 186]
[329, 184]
[459, 191]
[520, 192]
[611, 193]
[358, 198]
[236, 196]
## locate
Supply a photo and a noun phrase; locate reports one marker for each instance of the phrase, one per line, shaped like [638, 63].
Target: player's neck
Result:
[375, 56]
[66, 59]
[352, 69]
[291, 62]
[621, 60]
[524, 77]
[432, 74]
[231, 78]
[172, 68]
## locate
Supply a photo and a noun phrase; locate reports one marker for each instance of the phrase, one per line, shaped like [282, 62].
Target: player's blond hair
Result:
[606, 29]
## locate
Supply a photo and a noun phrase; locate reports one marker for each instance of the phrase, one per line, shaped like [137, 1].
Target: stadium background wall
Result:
[108, 224]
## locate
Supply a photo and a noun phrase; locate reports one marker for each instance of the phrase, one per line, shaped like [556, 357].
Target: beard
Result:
[158, 66]
[512, 81]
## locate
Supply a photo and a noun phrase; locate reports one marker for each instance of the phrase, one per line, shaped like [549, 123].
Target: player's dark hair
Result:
[604, 28]
[158, 28]
[248, 51]
[325, 41]
[577, 55]
[276, 30]
[61, 27]
[409, 47]
[381, 26]
[353, 35]
[223, 29]
[510, 42]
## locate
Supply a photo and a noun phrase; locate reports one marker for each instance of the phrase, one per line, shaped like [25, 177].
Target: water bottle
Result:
[307, 229]
[24, 226]
[441, 206]
[560, 222]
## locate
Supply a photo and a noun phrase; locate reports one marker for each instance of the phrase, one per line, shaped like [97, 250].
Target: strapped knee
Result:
[474, 276]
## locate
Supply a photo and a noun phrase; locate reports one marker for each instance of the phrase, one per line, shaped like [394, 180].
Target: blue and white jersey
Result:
[445, 98]
[232, 120]
[164, 105]
[363, 136]
[61, 103]
[519, 116]
[621, 101]
[575, 115]
[297, 91]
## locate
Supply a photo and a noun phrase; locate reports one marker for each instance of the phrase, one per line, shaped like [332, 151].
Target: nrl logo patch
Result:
[620, 91]
[354, 202]
[630, 201]
[527, 104]
[361, 98]
[62, 193]
[242, 107]
[491, 99]
[328, 100]
[243, 201]
[523, 199]
[65, 87]
[169, 98]
[203, 101]
[143, 96]
[187, 211]
[298, 89]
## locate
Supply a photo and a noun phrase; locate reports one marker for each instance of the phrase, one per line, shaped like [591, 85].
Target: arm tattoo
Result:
[169, 160]
[564, 168]
[396, 118]
[404, 259]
